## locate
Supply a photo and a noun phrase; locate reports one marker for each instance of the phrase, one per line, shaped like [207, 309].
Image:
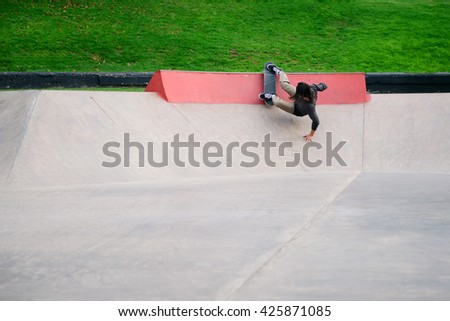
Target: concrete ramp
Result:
[15, 112]
[376, 228]
[407, 132]
[62, 142]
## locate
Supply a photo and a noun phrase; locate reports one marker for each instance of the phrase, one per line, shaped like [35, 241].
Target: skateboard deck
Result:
[269, 83]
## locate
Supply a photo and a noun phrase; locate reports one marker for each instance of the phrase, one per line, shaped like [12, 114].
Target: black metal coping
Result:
[40, 80]
[407, 83]
[375, 82]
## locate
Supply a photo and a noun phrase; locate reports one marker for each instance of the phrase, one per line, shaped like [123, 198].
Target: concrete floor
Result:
[70, 229]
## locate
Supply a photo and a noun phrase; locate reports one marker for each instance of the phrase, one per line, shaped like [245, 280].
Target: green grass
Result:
[226, 35]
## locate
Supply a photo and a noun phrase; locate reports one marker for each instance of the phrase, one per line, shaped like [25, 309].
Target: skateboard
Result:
[269, 83]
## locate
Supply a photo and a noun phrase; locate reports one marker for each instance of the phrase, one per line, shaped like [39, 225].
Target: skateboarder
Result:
[303, 97]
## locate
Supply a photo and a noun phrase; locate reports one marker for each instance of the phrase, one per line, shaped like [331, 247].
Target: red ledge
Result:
[244, 88]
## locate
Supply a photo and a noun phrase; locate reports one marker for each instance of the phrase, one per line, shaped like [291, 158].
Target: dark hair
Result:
[304, 90]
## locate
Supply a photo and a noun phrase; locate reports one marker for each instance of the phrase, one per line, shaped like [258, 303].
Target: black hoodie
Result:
[304, 107]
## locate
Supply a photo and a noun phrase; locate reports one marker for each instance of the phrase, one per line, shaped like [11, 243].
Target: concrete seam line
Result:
[189, 122]
[24, 134]
[295, 235]
[107, 115]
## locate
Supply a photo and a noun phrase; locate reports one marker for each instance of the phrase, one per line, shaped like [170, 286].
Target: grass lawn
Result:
[226, 35]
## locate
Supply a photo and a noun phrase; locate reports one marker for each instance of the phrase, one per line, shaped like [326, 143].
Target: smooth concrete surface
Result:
[407, 132]
[63, 143]
[14, 116]
[375, 229]
[385, 237]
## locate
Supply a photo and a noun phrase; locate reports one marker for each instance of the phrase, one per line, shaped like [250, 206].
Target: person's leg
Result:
[286, 84]
[284, 105]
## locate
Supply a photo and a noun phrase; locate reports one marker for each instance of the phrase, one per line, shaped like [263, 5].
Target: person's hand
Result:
[307, 138]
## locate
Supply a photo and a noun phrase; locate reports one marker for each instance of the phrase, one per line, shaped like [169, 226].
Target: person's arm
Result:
[315, 123]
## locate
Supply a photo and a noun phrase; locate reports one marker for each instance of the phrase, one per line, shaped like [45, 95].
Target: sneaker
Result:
[264, 96]
[274, 68]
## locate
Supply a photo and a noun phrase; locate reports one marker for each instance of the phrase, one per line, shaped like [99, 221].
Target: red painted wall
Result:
[244, 88]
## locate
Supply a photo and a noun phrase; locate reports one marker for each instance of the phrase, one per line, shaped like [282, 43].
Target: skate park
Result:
[375, 228]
